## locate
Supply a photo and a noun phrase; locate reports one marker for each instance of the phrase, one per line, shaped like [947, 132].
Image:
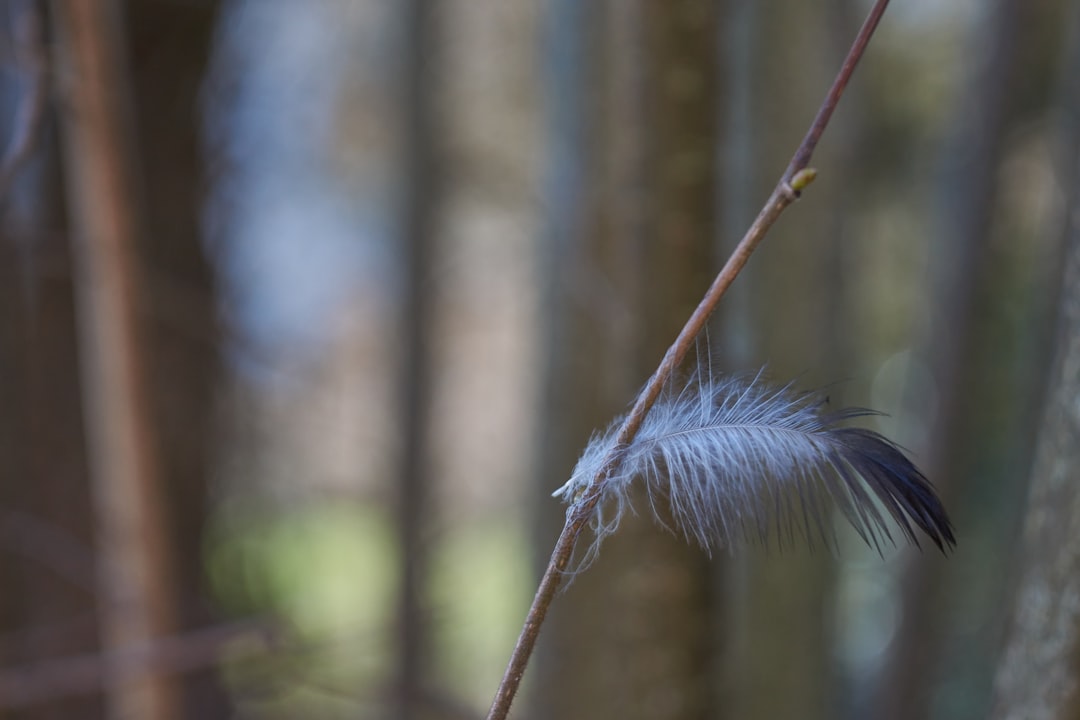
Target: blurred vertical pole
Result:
[419, 206]
[136, 592]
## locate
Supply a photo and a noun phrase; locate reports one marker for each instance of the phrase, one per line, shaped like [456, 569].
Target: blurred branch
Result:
[795, 178]
[33, 62]
[45, 681]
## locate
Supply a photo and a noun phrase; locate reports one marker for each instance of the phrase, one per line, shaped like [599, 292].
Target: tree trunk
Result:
[418, 231]
[137, 586]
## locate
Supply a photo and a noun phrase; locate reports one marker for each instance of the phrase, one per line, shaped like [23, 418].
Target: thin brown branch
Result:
[29, 115]
[795, 178]
[802, 156]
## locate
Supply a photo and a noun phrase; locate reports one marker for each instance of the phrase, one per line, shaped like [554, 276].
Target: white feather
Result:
[738, 459]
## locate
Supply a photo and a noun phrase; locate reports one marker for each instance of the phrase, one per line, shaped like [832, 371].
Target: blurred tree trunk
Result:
[169, 45]
[419, 209]
[137, 586]
[47, 607]
[632, 636]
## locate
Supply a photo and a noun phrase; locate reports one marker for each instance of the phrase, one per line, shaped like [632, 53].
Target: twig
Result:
[795, 178]
[34, 64]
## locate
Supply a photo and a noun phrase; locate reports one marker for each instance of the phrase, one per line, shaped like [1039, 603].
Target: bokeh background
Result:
[309, 305]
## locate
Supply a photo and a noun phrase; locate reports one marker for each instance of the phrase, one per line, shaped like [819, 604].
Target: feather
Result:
[739, 460]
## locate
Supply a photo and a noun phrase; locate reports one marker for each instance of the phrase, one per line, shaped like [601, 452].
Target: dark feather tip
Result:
[898, 484]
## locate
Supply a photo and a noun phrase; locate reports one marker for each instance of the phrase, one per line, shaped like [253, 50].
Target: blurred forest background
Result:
[307, 306]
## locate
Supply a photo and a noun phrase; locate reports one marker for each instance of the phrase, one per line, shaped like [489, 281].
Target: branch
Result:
[795, 178]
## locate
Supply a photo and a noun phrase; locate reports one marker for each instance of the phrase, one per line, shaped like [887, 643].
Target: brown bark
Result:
[136, 582]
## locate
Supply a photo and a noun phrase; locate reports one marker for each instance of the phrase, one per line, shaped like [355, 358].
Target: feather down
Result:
[740, 460]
